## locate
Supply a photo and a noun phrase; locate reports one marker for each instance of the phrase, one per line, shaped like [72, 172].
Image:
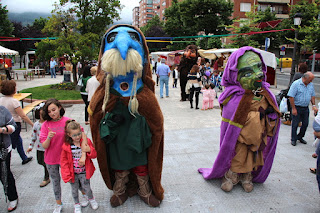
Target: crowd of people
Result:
[201, 77]
[64, 150]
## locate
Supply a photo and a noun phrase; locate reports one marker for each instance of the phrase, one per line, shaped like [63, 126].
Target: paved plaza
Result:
[191, 141]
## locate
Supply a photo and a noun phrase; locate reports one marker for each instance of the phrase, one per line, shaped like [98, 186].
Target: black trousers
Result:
[194, 91]
[85, 100]
[183, 83]
[12, 190]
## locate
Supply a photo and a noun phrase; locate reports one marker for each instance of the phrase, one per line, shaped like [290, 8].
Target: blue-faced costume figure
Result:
[125, 118]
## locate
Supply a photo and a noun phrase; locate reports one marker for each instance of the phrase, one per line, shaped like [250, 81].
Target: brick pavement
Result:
[191, 141]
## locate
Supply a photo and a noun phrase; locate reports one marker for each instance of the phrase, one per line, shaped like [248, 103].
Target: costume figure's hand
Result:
[29, 150]
[294, 112]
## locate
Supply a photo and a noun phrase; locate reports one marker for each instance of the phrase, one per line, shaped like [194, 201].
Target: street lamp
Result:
[296, 21]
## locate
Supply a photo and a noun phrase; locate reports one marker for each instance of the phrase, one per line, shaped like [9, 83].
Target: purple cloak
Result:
[230, 128]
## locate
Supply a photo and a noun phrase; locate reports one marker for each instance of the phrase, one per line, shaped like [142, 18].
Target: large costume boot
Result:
[246, 181]
[229, 180]
[119, 188]
[145, 191]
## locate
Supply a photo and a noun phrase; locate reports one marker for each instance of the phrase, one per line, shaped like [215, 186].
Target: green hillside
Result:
[26, 17]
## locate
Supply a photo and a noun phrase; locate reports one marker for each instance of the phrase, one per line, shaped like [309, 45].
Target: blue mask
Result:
[124, 38]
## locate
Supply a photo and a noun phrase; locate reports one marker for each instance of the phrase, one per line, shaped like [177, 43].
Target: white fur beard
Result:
[112, 63]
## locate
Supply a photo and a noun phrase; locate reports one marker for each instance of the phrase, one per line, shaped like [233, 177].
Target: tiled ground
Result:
[191, 141]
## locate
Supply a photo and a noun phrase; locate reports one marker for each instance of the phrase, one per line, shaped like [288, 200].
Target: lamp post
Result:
[296, 21]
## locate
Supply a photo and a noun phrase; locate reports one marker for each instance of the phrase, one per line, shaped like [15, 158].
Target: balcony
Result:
[275, 1]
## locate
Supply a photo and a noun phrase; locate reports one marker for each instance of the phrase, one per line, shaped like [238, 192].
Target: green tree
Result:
[6, 26]
[92, 15]
[209, 43]
[189, 17]
[155, 21]
[250, 24]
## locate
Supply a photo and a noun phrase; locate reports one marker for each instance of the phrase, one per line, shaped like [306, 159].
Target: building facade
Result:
[148, 9]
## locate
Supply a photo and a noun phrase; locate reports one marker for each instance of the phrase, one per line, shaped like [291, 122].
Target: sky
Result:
[20, 6]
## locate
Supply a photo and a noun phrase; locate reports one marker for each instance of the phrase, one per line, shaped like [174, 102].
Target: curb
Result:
[80, 101]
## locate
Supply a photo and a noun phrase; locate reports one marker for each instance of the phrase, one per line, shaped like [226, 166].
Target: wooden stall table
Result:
[22, 96]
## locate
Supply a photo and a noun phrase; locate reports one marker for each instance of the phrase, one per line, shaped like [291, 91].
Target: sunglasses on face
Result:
[76, 135]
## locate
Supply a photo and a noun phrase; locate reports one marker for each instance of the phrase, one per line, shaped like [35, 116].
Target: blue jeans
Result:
[164, 79]
[302, 116]
[53, 72]
[16, 141]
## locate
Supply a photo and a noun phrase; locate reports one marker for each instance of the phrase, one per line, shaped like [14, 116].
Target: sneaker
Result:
[12, 205]
[85, 201]
[57, 209]
[77, 208]
[94, 204]
[26, 160]
[44, 183]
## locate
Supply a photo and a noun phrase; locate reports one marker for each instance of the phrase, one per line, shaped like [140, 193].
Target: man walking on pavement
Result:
[300, 94]
[53, 65]
[163, 72]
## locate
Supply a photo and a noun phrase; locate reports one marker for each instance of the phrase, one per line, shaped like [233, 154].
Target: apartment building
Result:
[148, 9]
[135, 17]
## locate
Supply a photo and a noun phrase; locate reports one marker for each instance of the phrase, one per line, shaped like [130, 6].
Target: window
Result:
[149, 5]
[149, 1]
[149, 11]
[164, 3]
[149, 15]
[245, 7]
[242, 21]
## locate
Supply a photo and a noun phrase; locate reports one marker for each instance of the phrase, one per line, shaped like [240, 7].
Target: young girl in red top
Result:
[76, 164]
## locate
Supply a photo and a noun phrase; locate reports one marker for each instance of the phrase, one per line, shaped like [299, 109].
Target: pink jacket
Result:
[66, 162]
[212, 94]
[205, 93]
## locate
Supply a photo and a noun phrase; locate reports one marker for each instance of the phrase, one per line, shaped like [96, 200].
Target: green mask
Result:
[250, 73]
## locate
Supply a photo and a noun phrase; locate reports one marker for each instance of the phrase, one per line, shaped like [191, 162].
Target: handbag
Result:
[79, 84]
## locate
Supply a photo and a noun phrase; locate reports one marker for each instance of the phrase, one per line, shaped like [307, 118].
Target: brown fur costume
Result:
[185, 67]
[148, 107]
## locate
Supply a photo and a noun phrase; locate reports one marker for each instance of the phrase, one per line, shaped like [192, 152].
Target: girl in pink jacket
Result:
[205, 98]
[212, 96]
[76, 164]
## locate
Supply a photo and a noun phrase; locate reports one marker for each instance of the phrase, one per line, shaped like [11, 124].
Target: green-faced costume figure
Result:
[250, 123]
[125, 118]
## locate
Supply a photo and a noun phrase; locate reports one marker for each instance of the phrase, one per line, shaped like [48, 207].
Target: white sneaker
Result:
[77, 208]
[57, 209]
[12, 205]
[94, 204]
[85, 201]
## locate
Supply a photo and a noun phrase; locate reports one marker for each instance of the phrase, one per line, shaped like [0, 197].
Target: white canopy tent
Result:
[268, 57]
[6, 51]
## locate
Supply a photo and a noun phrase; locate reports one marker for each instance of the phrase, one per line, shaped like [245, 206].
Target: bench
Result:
[30, 107]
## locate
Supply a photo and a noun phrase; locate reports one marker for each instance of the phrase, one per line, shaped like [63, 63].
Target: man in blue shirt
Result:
[53, 65]
[163, 71]
[300, 94]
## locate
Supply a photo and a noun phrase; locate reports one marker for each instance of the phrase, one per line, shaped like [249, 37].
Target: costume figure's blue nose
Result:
[123, 44]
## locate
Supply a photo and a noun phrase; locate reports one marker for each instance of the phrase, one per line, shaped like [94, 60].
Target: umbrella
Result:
[6, 51]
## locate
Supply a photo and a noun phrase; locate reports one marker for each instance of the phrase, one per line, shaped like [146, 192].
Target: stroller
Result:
[284, 93]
